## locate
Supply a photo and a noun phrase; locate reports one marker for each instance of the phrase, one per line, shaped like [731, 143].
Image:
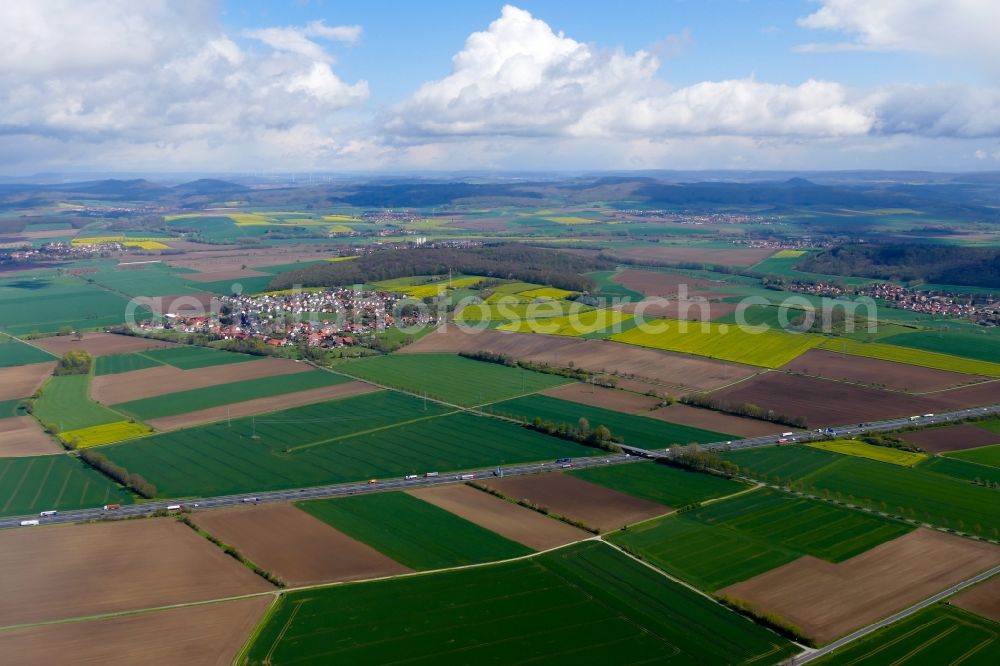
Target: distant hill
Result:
[205, 186]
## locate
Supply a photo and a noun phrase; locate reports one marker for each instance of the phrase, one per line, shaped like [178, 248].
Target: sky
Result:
[299, 86]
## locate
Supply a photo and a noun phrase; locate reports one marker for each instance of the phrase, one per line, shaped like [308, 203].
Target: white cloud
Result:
[297, 40]
[964, 28]
[158, 83]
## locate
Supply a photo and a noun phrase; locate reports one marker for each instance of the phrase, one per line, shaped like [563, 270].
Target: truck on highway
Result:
[174, 507]
[915, 418]
[112, 507]
[26, 523]
[51, 512]
[251, 499]
[409, 477]
[430, 475]
[787, 434]
[465, 477]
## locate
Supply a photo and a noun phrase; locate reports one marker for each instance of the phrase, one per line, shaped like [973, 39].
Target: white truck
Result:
[26, 523]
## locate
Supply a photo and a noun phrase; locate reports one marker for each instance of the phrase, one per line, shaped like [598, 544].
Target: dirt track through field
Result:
[23, 436]
[828, 600]
[951, 438]
[674, 373]
[900, 376]
[66, 571]
[20, 381]
[204, 635]
[716, 421]
[149, 382]
[295, 546]
[588, 503]
[619, 401]
[505, 518]
[983, 599]
[262, 405]
[99, 344]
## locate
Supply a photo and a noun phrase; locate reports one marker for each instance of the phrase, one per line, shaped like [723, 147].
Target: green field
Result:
[45, 303]
[413, 532]
[984, 455]
[638, 431]
[582, 604]
[66, 404]
[922, 358]
[606, 288]
[879, 453]
[378, 435]
[227, 394]
[151, 280]
[768, 349]
[922, 495]
[960, 469]
[116, 364]
[731, 540]
[10, 408]
[450, 377]
[192, 358]
[969, 345]
[14, 352]
[660, 483]
[39, 483]
[939, 634]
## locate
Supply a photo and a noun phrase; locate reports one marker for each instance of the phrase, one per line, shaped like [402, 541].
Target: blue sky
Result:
[328, 85]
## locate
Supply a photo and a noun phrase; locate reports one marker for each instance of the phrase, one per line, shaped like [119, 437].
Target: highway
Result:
[631, 454]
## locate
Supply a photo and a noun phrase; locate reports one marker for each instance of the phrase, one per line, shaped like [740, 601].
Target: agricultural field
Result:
[768, 349]
[660, 483]
[879, 453]
[952, 437]
[637, 431]
[449, 377]
[411, 531]
[986, 455]
[919, 357]
[983, 599]
[578, 324]
[939, 634]
[783, 463]
[873, 372]
[38, 483]
[48, 303]
[477, 313]
[23, 436]
[107, 433]
[960, 469]
[709, 419]
[738, 538]
[65, 403]
[967, 345]
[116, 364]
[190, 358]
[13, 352]
[377, 435]
[21, 381]
[586, 598]
[182, 402]
[146, 280]
[98, 344]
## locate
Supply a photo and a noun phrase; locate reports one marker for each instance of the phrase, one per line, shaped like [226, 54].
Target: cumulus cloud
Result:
[158, 80]
[953, 28]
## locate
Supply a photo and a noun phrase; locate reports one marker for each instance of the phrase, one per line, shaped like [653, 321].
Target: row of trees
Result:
[599, 437]
[569, 372]
[747, 409]
[134, 482]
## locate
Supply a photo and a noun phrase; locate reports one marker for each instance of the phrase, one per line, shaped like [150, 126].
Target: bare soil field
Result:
[951, 438]
[505, 518]
[217, 260]
[823, 402]
[829, 600]
[987, 393]
[874, 372]
[20, 381]
[717, 421]
[296, 547]
[23, 436]
[674, 373]
[50, 233]
[99, 344]
[620, 401]
[204, 635]
[680, 254]
[261, 405]
[66, 571]
[193, 304]
[666, 285]
[215, 276]
[149, 382]
[692, 310]
[588, 503]
[983, 599]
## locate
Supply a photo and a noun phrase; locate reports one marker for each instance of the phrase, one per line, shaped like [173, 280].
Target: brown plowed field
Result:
[505, 518]
[983, 599]
[216, 276]
[299, 549]
[20, 381]
[987, 393]
[68, 571]
[679, 254]
[23, 436]
[148, 382]
[585, 502]
[204, 635]
[912, 378]
[620, 401]
[951, 438]
[666, 285]
[99, 344]
[261, 405]
[228, 259]
[717, 421]
[193, 304]
[692, 310]
[823, 402]
[829, 600]
[674, 373]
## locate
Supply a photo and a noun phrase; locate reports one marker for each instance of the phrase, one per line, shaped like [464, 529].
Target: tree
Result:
[74, 362]
[583, 426]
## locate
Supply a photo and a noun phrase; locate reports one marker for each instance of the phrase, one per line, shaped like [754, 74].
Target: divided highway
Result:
[631, 454]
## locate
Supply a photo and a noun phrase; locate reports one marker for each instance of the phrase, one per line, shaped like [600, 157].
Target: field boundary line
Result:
[258, 629]
[713, 500]
[368, 432]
